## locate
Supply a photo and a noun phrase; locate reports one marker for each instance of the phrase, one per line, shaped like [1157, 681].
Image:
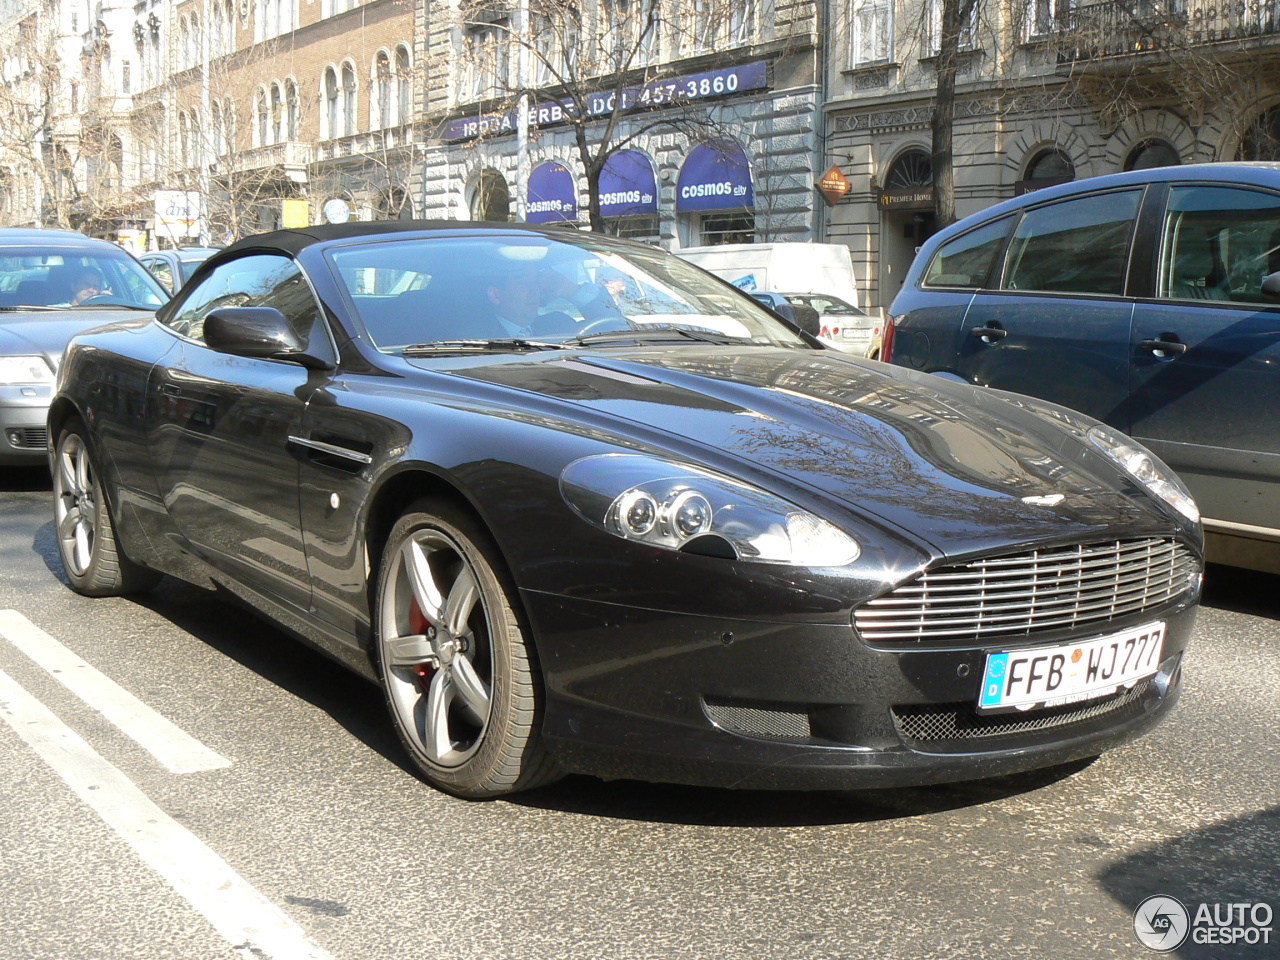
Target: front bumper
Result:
[24, 411]
[641, 694]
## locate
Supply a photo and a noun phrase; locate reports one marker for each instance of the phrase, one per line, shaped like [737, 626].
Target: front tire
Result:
[94, 561]
[460, 677]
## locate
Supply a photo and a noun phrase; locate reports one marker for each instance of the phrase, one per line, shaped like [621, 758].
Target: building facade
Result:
[1046, 91]
[411, 109]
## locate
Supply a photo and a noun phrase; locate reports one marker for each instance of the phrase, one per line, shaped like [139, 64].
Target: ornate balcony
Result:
[1126, 28]
[291, 156]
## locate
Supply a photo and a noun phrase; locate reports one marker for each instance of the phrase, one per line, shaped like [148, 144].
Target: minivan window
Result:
[966, 260]
[1218, 244]
[1074, 246]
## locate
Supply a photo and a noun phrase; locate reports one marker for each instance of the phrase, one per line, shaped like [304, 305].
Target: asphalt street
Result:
[313, 826]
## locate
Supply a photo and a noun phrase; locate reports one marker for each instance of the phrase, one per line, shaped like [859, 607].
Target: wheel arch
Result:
[61, 411]
[401, 490]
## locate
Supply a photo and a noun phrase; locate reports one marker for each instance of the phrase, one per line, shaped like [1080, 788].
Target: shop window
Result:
[647, 229]
[717, 228]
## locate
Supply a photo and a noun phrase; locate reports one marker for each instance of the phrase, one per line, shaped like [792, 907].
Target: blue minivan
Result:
[1148, 300]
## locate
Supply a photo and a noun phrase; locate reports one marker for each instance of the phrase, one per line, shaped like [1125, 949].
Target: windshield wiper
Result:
[655, 335]
[16, 307]
[498, 345]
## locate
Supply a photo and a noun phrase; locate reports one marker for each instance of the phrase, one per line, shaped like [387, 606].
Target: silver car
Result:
[53, 285]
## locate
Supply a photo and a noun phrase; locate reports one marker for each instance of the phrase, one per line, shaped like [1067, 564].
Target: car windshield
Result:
[519, 288]
[75, 277]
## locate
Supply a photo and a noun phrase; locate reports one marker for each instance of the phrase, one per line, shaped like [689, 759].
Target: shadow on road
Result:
[25, 480]
[699, 806]
[1242, 591]
[217, 620]
[1233, 862]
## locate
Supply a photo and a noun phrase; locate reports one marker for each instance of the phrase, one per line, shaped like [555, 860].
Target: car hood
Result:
[941, 462]
[46, 332]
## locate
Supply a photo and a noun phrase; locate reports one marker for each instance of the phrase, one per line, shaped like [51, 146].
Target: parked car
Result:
[799, 314]
[821, 271]
[840, 323]
[54, 284]
[578, 506]
[1149, 300]
[173, 268]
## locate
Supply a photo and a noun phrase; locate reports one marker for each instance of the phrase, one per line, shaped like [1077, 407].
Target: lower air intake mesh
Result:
[757, 719]
[947, 723]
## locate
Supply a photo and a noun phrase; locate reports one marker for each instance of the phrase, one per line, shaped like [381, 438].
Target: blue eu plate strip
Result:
[993, 680]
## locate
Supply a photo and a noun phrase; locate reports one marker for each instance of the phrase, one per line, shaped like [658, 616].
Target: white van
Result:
[818, 275]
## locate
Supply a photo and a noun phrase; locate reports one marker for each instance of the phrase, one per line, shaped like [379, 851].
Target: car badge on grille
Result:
[1046, 500]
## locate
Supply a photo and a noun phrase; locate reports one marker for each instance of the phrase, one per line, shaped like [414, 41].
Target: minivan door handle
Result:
[1166, 346]
[990, 333]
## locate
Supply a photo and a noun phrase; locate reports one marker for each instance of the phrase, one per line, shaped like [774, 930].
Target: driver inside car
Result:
[87, 283]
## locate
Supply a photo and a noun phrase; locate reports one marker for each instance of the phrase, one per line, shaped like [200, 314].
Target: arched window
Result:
[1152, 153]
[910, 171]
[229, 17]
[490, 198]
[291, 110]
[184, 29]
[1261, 141]
[197, 133]
[218, 145]
[261, 128]
[277, 114]
[331, 103]
[402, 84]
[380, 109]
[348, 98]
[1052, 164]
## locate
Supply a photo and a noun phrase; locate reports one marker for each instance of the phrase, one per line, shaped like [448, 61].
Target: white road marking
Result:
[254, 926]
[173, 747]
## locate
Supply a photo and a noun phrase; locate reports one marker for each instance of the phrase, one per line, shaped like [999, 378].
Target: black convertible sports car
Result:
[579, 506]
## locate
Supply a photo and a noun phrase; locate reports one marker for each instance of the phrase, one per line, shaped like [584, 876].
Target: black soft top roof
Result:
[295, 240]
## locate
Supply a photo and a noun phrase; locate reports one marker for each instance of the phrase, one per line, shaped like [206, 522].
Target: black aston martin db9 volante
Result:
[578, 506]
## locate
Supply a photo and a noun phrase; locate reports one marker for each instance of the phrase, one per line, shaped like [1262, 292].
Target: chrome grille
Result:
[1049, 589]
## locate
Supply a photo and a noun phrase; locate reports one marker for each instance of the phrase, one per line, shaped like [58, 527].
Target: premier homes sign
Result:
[656, 93]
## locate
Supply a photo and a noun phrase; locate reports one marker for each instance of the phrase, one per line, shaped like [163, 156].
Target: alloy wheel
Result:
[436, 648]
[76, 506]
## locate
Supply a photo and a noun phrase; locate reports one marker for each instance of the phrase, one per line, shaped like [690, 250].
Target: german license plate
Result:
[1072, 673]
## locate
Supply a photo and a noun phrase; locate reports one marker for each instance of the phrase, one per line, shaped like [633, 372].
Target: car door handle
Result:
[1171, 348]
[989, 334]
[170, 390]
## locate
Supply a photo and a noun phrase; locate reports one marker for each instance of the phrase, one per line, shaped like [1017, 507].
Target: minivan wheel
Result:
[459, 675]
[87, 546]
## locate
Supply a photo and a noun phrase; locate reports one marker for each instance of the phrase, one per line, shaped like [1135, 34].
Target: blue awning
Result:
[628, 186]
[553, 194]
[715, 176]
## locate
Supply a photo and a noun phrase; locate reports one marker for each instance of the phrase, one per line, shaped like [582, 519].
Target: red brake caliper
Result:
[418, 625]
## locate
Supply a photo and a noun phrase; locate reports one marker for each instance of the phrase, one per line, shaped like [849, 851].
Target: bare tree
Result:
[39, 126]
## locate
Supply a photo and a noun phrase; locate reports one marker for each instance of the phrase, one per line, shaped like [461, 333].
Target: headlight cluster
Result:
[680, 507]
[1145, 467]
[15, 370]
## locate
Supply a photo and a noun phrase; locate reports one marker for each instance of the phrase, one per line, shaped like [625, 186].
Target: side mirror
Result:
[1271, 286]
[261, 332]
